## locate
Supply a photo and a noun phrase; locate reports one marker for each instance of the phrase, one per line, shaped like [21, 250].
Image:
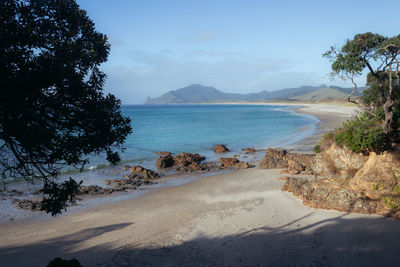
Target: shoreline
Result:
[234, 218]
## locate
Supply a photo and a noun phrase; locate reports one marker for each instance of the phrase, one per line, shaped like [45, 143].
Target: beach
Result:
[239, 218]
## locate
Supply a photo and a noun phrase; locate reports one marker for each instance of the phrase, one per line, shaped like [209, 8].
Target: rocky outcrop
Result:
[352, 182]
[185, 159]
[220, 149]
[249, 150]
[243, 165]
[94, 190]
[228, 162]
[292, 163]
[145, 173]
[164, 161]
[28, 204]
[183, 162]
[233, 162]
[337, 162]
[326, 194]
[379, 177]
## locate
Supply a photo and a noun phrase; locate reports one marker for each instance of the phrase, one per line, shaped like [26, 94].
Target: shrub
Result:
[317, 149]
[362, 134]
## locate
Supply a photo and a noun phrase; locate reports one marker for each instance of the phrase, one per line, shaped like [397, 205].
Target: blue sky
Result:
[235, 46]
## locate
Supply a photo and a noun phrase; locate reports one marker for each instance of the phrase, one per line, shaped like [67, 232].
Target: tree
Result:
[53, 110]
[379, 57]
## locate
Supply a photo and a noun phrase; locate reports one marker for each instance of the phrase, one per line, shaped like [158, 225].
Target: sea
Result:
[197, 128]
[180, 128]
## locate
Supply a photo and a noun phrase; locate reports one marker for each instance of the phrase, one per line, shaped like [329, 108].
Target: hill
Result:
[197, 93]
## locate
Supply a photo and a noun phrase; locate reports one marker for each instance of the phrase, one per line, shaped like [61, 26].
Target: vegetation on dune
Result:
[53, 110]
[377, 127]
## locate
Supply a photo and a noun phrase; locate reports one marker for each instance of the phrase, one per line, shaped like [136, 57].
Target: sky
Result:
[235, 46]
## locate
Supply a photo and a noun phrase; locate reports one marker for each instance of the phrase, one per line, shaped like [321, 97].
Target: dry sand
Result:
[233, 219]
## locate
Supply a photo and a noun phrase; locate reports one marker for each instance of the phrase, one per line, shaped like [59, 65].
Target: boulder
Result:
[228, 162]
[185, 159]
[294, 167]
[164, 161]
[249, 150]
[274, 159]
[242, 165]
[94, 190]
[163, 153]
[220, 149]
[145, 173]
[27, 204]
[126, 167]
[293, 163]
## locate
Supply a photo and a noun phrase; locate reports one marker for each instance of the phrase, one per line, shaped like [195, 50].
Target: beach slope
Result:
[239, 218]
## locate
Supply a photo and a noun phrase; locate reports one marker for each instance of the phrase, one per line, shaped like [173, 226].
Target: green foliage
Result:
[392, 202]
[317, 149]
[53, 111]
[380, 56]
[363, 134]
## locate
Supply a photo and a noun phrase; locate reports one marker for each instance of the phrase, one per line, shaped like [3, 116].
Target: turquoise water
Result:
[197, 128]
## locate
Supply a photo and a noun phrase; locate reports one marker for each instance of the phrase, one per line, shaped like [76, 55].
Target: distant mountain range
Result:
[197, 93]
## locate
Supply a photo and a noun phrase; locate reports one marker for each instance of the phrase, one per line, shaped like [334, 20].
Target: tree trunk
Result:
[388, 122]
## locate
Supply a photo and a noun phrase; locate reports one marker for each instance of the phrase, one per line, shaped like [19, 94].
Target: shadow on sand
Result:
[338, 241]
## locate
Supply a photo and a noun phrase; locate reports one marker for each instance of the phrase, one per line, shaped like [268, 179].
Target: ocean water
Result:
[181, 128]
[197, 128]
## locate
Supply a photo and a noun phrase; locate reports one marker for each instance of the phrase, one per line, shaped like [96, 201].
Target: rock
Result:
[186, 159]
[126, 167]
[163, 153]
[26, 204]
[274, 159]
[249, 150]
[294, 167]
[337, 162]
[164, 161]
[327, 194]
[228, 162]
[220, 149]
[94, 190]
[58, 262]
[145, 173]
[242, 165]
[294, 163]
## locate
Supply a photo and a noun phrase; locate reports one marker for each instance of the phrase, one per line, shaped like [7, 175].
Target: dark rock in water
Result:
[145, 173]
[94, 190]
[130, 182]
[228, 162]
[220, 149]
[163, 153]
[185, 159]
[183, 162]
[58, 262]
[26, 204]
[164, 161]
[249, 150]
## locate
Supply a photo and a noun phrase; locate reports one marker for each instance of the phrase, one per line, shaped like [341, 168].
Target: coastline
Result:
[235, 218]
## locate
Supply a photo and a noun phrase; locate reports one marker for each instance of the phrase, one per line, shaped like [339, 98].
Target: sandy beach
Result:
[241, 218]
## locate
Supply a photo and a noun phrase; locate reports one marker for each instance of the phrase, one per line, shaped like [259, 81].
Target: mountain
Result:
[197, 93]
